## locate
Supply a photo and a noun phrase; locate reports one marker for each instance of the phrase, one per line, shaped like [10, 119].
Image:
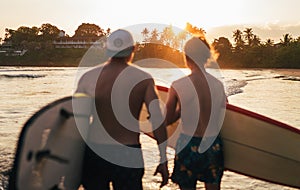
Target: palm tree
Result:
[269, 42]
[287, 38]
[154, 36]
[237, 37]
[255, 41]
[167, 36]
[145, 33]
[248, 35]
[181, 36]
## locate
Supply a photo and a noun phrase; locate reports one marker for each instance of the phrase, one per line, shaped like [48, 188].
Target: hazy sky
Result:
[268, 15]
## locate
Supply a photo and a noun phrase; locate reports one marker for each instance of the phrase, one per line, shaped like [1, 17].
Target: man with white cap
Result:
[120, 89]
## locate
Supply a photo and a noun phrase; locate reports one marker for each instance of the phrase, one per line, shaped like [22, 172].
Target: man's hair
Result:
[197, 50]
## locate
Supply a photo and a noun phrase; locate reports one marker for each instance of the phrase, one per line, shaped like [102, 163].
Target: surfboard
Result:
[254, 145]
[50, 148]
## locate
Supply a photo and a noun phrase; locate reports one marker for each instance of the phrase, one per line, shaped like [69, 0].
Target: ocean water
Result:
[24, 90]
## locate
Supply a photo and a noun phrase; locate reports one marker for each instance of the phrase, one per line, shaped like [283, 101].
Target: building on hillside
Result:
[64, 41]
[7, 50]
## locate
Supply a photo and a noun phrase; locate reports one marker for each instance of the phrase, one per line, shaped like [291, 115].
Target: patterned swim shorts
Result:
[190, 165]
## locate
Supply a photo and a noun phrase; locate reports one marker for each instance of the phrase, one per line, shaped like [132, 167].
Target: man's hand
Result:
[163, 170]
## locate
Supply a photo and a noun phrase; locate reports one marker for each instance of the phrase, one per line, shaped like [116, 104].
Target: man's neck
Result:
[118, 61]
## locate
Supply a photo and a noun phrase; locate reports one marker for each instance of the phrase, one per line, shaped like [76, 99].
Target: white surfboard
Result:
[50, 148]
[254, 145]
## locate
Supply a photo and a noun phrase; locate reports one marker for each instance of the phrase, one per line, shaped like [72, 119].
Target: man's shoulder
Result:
[214, 79]
[92, 72]
[181, 82]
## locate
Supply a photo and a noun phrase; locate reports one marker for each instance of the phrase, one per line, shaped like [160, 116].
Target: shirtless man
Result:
[199, 99]
[114, 152]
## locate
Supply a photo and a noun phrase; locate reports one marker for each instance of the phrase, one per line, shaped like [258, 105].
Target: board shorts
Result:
[98, 172]
[190, 165]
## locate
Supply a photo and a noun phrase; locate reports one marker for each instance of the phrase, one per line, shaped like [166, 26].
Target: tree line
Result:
[39, 43]
[247, 49]
[33, 38]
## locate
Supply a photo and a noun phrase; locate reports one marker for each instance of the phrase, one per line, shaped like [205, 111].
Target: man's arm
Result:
[172, 107]
[81, 85]
[159, 129]
[88, 81]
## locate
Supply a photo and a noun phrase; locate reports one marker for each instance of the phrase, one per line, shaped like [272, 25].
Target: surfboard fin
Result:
[67, 114]
[47, 154]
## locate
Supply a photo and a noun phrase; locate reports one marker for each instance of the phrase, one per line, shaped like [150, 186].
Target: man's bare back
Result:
[128, 134]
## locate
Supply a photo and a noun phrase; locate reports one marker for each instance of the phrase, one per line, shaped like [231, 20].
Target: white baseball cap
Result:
[119, 43]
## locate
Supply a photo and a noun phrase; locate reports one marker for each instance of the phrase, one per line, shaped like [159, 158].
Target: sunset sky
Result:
[268, 18]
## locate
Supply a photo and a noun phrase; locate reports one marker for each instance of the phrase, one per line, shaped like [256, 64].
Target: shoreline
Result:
[51, 64]
[281, 71]
[293, 72]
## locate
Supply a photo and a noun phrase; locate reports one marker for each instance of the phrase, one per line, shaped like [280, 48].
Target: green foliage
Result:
[45, 57]
[159, 51]
[89, 30]
[48, 32]
[249, 52]
[38, 41]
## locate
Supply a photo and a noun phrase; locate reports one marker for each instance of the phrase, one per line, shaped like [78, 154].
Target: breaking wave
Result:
[234, 86]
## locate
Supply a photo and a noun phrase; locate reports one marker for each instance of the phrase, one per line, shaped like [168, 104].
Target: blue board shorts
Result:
[98, 172]
[190, 165]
